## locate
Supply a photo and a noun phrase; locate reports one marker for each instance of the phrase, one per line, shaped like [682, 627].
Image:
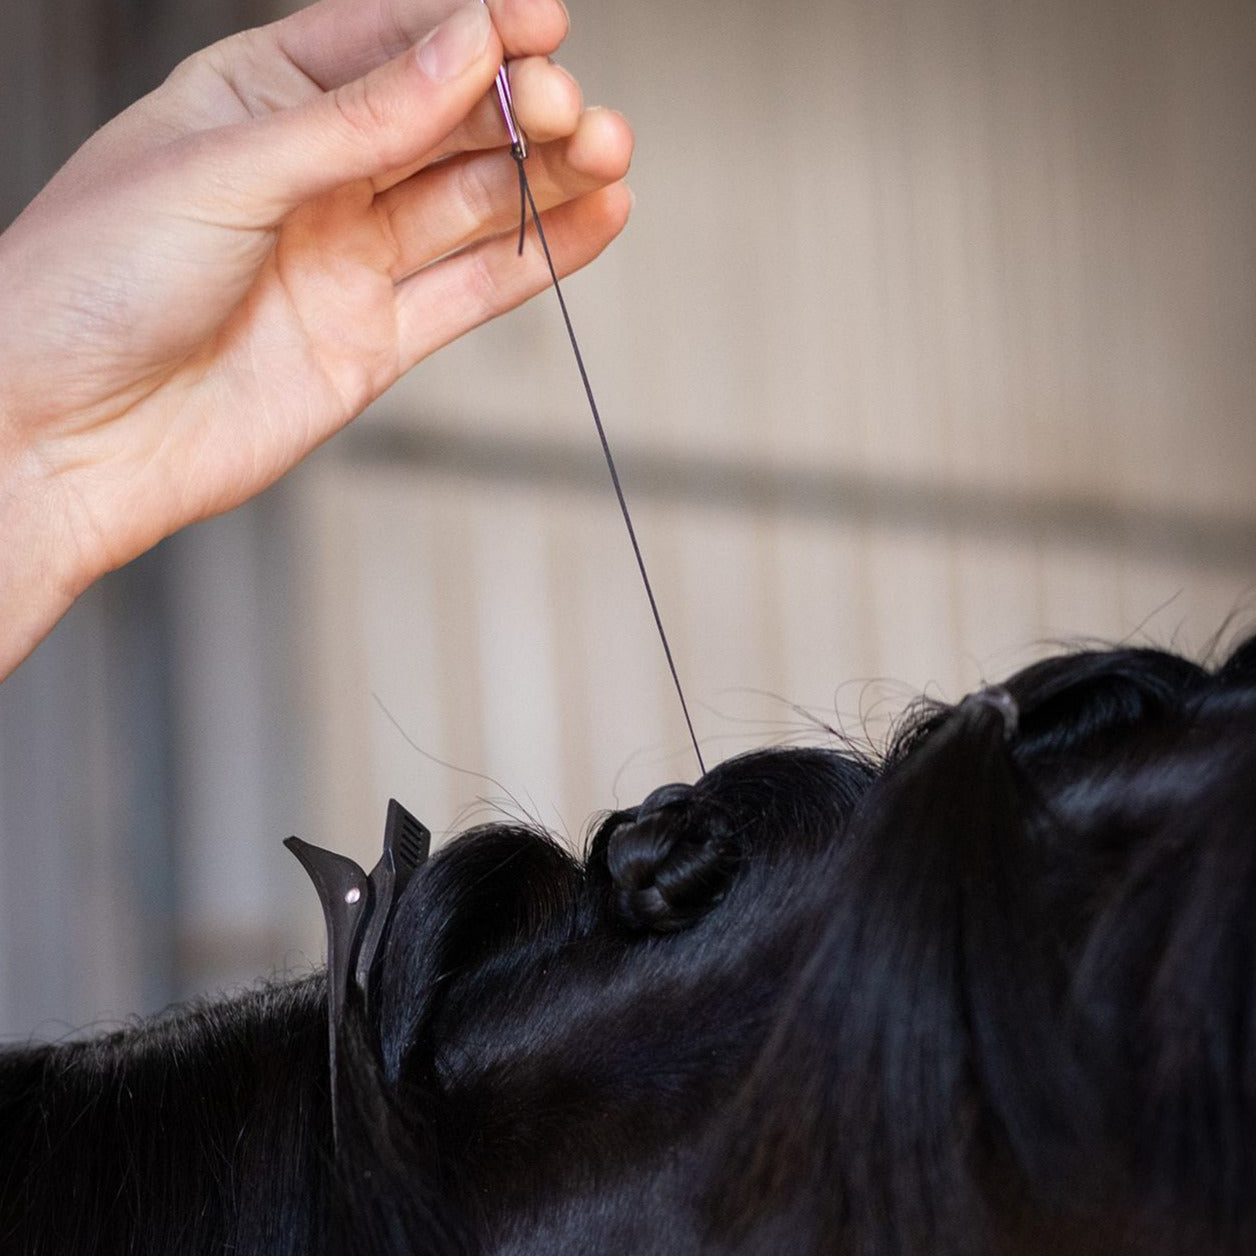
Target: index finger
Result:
[337, 41]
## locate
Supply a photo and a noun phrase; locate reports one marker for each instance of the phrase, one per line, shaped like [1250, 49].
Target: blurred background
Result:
[931, 345]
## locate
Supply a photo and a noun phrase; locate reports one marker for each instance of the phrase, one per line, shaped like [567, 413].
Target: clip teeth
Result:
[406, 837]
[410, 847]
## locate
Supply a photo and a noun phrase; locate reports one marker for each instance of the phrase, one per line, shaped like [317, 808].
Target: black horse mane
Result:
[990, 992]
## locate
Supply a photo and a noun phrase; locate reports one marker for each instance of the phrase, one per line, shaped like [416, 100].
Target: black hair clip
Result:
[358, 911]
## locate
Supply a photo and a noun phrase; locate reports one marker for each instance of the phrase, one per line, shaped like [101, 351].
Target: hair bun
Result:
[672, 860]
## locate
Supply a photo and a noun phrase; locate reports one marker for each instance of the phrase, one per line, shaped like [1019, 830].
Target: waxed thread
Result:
[523, 202]
[527, 201]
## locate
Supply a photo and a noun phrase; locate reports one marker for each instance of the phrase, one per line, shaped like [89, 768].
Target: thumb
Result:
[386, 120]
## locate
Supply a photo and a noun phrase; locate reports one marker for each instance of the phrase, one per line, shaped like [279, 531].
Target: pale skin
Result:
[235, 267]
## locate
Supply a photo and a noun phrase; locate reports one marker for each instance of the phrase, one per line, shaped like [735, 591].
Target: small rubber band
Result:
[998, 698]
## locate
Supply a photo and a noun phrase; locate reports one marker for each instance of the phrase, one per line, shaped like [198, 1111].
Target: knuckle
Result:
[371, 117]
[231, 62]
[484, 286]
[219, 58]
[392, 231]
[186, 71]
[193, 70]
[475, 193]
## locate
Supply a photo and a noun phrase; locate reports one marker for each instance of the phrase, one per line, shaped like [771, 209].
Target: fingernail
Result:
[456, 43]
[566, 14]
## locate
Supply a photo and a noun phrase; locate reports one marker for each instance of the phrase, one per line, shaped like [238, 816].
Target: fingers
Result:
[547, 102]
[386, 120]
[450, 297]
[467, 198]
[337, 41]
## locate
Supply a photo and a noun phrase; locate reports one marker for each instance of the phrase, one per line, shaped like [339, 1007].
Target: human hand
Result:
[232, 269]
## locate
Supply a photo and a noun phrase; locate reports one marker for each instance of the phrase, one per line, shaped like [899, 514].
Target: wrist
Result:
[38, 576]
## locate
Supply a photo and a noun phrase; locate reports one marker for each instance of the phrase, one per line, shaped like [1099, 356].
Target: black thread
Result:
[523, 201]
[526, 189]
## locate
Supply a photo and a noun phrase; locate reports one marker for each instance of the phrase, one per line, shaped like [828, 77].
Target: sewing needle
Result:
[518, 141]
